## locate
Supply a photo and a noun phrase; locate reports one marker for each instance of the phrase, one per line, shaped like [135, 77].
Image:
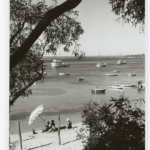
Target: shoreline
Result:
[49, 140]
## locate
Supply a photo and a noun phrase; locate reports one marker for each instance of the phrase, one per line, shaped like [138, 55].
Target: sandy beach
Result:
[46, 141]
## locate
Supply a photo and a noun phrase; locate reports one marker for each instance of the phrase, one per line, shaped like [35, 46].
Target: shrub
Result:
[115, 126]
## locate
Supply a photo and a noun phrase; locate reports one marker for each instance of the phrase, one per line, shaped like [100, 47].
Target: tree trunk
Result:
[48, 18]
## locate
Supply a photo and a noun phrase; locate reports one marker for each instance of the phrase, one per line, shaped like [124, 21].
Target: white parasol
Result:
[36, 113]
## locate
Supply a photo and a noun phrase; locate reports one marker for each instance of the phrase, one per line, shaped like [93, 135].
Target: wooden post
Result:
[59, 139]
[20, 138]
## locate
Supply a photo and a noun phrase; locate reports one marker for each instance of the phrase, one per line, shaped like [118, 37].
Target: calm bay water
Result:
[67, 95]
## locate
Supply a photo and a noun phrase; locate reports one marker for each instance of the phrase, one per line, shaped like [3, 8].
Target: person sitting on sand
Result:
[53, 128]
[33, 131]
[69, 124]
[47, 127]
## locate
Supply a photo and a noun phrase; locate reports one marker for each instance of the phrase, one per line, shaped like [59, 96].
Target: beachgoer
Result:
[47, 127]
[69, 124]
[33, 131]
[53, 128]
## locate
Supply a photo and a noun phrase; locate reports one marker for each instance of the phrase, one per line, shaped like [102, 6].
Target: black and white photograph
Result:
[77, 74]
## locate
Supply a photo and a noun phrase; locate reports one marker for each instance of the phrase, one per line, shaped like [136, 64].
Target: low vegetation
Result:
[114, 126]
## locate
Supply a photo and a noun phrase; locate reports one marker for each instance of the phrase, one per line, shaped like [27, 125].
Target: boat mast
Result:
[98, 59]
[120, 56]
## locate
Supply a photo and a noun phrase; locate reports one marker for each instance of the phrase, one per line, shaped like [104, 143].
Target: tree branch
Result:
[48, 18]
[12, 38]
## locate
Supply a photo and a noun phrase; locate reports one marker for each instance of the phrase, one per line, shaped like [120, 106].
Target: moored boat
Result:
[116, 71]
[59, 63]
[104, 64]
[56, 63]
[111, 74]
[119, 62]
[97, 90]
[67, 73]
[126, 84]
[99, 64]
[62, 74]
[81, 78]
[65, 64]
[132, 74]
[115, 87]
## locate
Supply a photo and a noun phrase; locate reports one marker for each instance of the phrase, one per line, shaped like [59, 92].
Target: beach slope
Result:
[46, 141]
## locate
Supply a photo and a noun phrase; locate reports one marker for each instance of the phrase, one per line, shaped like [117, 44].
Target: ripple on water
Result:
[47, 92]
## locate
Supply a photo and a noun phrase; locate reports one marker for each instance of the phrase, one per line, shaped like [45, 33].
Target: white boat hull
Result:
[59, 63]
[62, 74]
[119, 62]
[53, 64]
[98, 65]
[116, 71]
[132, 74]
[126, 85]
[115, 87]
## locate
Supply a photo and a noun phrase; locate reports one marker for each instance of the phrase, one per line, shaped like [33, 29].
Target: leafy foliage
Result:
[115, 126]
[24, 17]
[130, 11]
[65, 30]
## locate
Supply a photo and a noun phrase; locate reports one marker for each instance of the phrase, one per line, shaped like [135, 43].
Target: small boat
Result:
[115, 87]
[62, 74]
[56, 63]
[67, 73]
[103, 64]
[98, 64]
[116, 71]
[97, 90]
[132, 74]
[111, 74]
[126, 85]
[119, 62]
[81, 78]
[65, 64]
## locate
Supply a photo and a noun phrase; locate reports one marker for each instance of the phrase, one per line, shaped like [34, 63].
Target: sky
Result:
[102, 33]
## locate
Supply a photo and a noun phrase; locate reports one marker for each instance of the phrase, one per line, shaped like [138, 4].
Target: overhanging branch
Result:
[48, 18]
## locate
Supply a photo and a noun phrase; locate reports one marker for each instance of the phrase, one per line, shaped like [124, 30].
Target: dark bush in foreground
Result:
[115, 126]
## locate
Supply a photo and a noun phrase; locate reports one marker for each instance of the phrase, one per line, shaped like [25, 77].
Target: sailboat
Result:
[98, 64]
[120, 62]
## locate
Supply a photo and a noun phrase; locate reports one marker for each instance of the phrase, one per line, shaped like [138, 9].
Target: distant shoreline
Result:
[49, 59]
